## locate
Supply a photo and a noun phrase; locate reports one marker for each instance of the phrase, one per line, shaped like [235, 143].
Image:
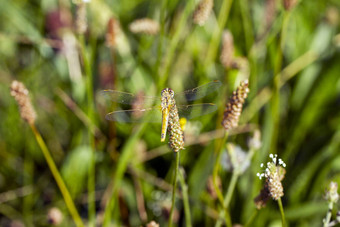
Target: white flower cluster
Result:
[239, 163]
[271, 166]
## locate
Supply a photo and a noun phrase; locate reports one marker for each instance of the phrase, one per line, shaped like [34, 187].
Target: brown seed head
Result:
[144, 26]
[227, 53]
[270, 12]
[289, 4]
[56, 22]
[20, 93]
[176, 135]
[262, 199]
[111, 33]
[202, 11]
[234, 107]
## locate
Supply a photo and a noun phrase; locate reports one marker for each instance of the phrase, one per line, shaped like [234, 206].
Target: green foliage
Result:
[74, 170]
[121, 173]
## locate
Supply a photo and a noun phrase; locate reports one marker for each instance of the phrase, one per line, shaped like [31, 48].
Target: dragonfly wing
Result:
[136, 115]
[196, 110]
[198, 92]
[128, 98]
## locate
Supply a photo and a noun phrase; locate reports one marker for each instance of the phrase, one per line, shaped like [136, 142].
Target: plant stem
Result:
[327, 220]
[282, 212]
[161, 39]
[60, 182]
[246, 22]
[275, 102]
[214, 42]
[174, 42]
[219, 150]
[227, 197]
[126, 156]
[251, 219]
[231, 188]
[174, 185]
[185, 199]
[90, 107]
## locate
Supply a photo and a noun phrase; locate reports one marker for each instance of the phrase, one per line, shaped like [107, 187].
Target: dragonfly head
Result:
[167, 97]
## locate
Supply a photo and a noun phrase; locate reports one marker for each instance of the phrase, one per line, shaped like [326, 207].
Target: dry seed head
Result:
[274, 174]
[234, 107]
[227, 53]
[289, 4]
[270, 12]
[202, 11]
[144, 26]
[20, 93]
[262, 199]
[81, 20]
[111, 33]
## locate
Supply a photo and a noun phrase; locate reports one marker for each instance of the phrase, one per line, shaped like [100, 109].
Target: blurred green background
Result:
[291, 58]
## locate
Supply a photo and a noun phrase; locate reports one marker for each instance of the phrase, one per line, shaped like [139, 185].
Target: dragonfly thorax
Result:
[167, 98]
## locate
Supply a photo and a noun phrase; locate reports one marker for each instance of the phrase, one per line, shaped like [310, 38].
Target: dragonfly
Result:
[164, 107]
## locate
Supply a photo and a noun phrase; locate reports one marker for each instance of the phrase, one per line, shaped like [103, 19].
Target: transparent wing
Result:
[136, 115]
[128, 98]
[198, 92]
[196, 110]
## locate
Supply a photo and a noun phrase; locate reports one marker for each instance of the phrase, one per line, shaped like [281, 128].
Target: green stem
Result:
[228, 196]
[219, 151]
[251, 219]
[231, 188]
[222, 20]
[174, 187]
[126, 156]
[246, 22]
[219, 194]
[64, 191]
[174, 42]
[90, 107]
[185, 199]
[282, 212]
[161, 38]
[328, 215]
